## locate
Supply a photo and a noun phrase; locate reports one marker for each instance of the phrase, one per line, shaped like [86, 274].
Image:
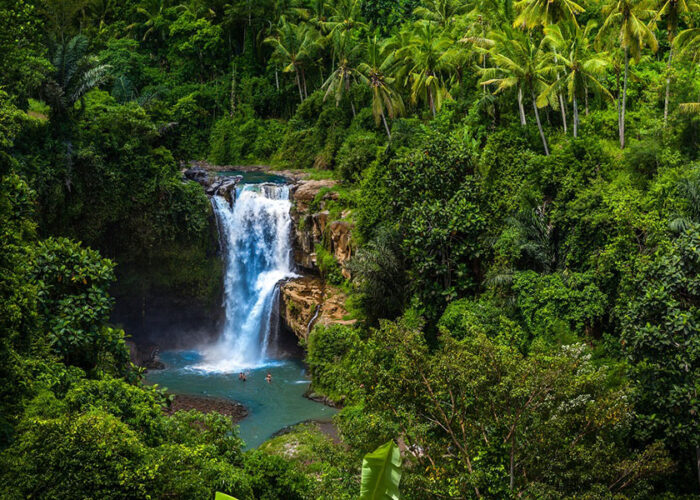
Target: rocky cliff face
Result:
[313, 225]
[307, 301]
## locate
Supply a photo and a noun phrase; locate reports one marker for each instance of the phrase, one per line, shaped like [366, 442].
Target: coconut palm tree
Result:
[374, 71]
[153, 14]
[518, 63]
[345, 16]
[75, 74]
[573, 58]
[427, 63]
[347, 51]
[441, 12]
[688, 45]
[294, 46]
[544, 13]
[532, 13]
[673, 11]
[625, 19]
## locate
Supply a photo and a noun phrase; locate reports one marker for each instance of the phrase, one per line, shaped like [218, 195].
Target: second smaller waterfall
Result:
[255, 236]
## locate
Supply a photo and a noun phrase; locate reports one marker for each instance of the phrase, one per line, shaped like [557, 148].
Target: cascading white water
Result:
[256, 239]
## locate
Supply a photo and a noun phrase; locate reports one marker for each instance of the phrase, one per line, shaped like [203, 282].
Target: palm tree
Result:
[441, 12]
[544, 13]
[345, 16]
[153, 14]
[75, 74]
[673, 10]
[374, 72]
[427, 61]
[518, 63]
[573, 57]
[627, 18]
[339, 81]
[688, 44]
[534, 13]
[294, 45]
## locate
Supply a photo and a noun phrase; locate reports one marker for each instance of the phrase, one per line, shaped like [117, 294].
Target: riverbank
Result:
[207, 404]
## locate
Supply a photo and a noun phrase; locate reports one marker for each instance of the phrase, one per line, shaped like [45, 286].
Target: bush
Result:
[328, 266]
[94, 454]
[357, 152]
[74, 300]
[331, 352]
[273, 477]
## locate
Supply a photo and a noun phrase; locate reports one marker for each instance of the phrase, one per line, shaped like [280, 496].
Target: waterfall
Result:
[256, 241]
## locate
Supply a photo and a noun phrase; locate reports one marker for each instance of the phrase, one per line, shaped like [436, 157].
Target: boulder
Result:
[304, 193]
[307, 301]
[197, 174]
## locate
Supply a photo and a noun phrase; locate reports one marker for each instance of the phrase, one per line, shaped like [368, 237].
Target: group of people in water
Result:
[243, 376]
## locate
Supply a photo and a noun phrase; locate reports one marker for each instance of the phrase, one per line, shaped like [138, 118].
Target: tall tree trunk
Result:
[575, 116]
[386, 127]
[512, 464]
[563, 111]
[303, 79]
[431, 102]
[619, 98]
[624, 100]
[521, 108]
[697, 461]
[539, 124]
[668, 83]
[233, 90]
[301, 92]
[277, 80]
[585, 90]
[559, 95]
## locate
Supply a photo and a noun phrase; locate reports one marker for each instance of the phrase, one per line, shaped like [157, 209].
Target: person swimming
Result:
[242, 377]
[268, 378]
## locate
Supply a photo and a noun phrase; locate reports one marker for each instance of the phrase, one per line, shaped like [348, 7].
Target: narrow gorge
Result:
[273, 296]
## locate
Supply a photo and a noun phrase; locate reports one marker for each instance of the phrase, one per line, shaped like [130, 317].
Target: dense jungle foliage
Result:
[523, 180]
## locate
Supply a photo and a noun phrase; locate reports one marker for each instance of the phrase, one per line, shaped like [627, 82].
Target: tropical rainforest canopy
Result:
[523, 180]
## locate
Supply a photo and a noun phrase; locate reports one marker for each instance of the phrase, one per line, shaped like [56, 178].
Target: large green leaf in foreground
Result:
[223, 496]
[381, 473]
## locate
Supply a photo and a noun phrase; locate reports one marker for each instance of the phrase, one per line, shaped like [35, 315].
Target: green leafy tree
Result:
[428, 64]
[625, 23]
[375, 72]
[74, 300]
[76, 72]
[660, 315]
[518, 62]
[673, 11]
[582, 68]
[545, 12]
[347, 51]
[484, 420]
[441, 12]
[294, 46]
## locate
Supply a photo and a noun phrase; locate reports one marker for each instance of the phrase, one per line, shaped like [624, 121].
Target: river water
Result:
[255, 236]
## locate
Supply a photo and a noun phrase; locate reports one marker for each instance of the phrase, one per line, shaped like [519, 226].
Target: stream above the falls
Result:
[255, 238]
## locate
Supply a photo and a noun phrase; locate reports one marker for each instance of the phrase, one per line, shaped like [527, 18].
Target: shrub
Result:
[328, 265]
[357, 152]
